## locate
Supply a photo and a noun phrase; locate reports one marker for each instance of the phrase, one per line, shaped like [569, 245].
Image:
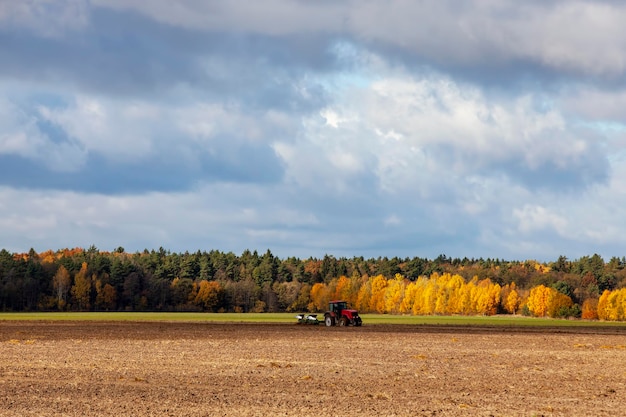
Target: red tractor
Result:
[339, 313]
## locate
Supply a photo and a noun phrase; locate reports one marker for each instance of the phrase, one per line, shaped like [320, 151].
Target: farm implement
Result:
[308, 319]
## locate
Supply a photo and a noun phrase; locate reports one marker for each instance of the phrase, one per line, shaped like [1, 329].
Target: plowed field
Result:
[209, 369]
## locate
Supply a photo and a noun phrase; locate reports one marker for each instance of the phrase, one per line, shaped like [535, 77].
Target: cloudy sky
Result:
[349, 128]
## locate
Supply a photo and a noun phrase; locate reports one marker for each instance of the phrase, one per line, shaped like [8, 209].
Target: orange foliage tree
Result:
[208, 294]
[590, 309]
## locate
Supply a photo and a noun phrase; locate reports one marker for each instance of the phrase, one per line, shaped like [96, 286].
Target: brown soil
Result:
[208, 369]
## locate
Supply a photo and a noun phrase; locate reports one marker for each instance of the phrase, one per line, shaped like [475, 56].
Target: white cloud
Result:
[392, 220]
[206, 121]
[534, 218]
[109, 127]
[20, 135]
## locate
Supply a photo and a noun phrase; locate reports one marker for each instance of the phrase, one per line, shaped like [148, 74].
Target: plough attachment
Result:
[308, 319]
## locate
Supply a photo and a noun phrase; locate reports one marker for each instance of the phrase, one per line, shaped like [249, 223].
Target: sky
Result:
[493, 129]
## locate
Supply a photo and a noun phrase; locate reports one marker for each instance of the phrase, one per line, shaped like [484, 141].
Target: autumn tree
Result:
[410, 291]
[590, 309]
[511, 299]
[364, 296]
[81, 290]
[343, 289]
[61, 283]
[424, 297]
[452, 290]
[320, 297]
[544, 301]
[538, 299]
[394, 293]
[208, 295]
[489, 298]
[379, 287]
[612, 305]
[559, 305]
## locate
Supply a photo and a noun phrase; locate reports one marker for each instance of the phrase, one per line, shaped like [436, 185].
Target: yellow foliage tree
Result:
[343, 289]
[394, 294]
[488, 298]
[544, 301]
[612, 305]
[364, 296]
[379, 287]
[454, 294]
[512, 302]
[558, 301]
[464, 301]
[538, 299]
[320, 296]
[406, 305]
[427, 298]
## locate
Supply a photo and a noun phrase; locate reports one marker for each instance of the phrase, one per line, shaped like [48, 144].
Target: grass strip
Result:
[503, 320]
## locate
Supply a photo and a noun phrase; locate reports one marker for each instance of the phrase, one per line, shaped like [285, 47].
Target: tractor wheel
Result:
[329, 321]
[343, 322]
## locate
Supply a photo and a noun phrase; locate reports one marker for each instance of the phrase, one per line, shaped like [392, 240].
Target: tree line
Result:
[159, 280]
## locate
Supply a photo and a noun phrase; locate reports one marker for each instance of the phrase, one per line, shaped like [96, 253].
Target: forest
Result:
[159, 280]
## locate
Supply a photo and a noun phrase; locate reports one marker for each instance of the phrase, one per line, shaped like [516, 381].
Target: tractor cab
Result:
[337, 306]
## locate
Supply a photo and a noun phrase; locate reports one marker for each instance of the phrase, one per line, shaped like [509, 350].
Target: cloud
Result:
[580, 38]
[532, 218]
[22, 135]
[590, 103]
